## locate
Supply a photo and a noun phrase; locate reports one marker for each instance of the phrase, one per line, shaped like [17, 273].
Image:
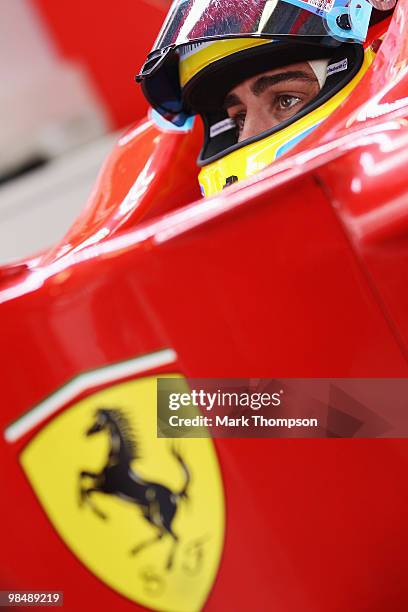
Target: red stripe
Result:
[301, 20]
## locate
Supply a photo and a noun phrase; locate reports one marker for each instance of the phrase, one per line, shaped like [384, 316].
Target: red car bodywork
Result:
[298, 272]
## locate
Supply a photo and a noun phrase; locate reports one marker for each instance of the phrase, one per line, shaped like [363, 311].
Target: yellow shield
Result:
[145, 515]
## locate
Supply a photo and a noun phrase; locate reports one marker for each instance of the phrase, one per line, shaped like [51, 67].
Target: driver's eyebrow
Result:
[264, 82]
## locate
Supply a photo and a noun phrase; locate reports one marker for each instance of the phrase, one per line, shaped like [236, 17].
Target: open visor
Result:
[326, 22]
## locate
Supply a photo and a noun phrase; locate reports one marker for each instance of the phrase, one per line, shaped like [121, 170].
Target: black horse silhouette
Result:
[158, 503]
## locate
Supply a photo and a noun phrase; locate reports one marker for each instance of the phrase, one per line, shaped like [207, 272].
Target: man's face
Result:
[267, 99]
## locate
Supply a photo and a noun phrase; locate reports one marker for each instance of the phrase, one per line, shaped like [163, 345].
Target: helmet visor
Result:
[197, 20]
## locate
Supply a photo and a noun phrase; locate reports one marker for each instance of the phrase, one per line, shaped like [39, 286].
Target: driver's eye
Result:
[287, 101]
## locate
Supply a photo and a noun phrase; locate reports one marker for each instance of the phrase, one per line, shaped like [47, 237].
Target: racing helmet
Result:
[208, 47]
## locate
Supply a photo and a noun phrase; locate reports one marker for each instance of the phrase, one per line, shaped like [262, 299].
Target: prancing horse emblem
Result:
[157, 502]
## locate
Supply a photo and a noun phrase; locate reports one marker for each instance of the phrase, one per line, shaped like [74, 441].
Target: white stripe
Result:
[222, 126]
[270, 6]
[81, 383]
[193, 17]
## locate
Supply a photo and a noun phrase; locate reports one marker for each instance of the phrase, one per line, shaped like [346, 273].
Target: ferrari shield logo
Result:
[145, 515]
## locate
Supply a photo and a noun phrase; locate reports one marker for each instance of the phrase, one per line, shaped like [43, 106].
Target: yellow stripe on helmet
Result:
[196, 57]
